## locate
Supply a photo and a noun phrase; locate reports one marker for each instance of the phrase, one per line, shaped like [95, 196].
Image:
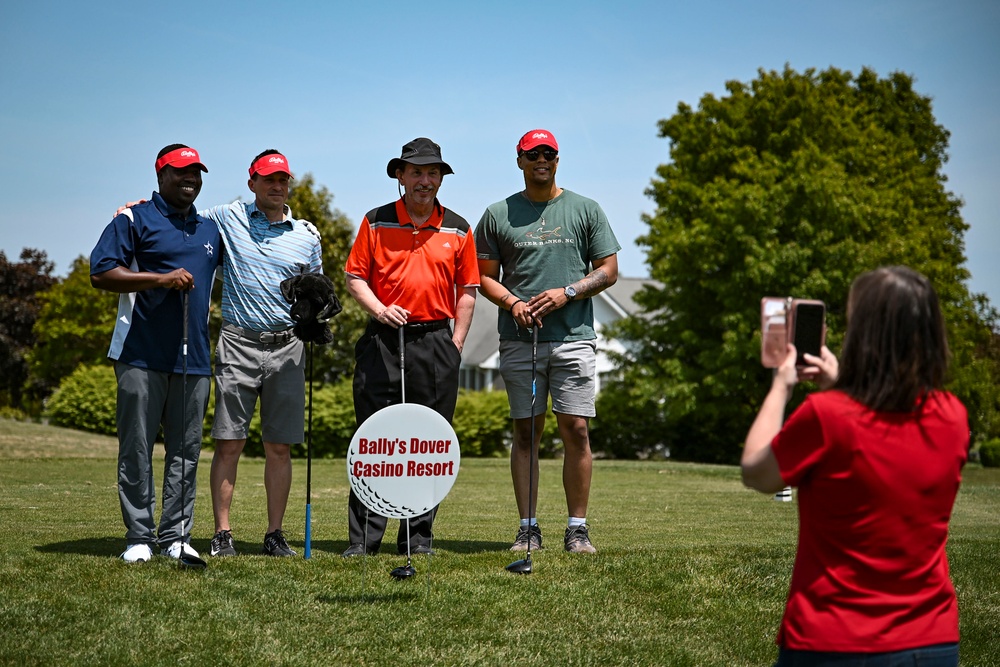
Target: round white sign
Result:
[403, 460]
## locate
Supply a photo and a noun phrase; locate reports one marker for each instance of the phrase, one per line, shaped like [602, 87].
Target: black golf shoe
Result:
[521, 539]
[354, 550]
[275, 545]
[577, 540]
[222, 544]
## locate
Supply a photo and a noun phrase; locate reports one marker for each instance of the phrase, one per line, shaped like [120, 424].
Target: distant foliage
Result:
[20, 284]
[74, 327]
[989, 453]
[86, 400]
[482, 423]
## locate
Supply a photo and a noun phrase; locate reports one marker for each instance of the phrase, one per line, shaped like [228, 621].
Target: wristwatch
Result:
[570, 292]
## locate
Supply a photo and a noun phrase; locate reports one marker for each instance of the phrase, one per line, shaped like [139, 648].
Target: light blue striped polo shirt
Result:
[258, 255]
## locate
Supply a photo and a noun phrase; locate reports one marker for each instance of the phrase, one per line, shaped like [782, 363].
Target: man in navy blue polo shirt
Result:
[152, 255]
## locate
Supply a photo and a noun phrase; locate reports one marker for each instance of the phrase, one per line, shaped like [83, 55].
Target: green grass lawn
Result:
[691, 569]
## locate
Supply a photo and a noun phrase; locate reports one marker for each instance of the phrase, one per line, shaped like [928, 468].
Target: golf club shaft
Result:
[402, 363]
[184, 371]
[531, 444]
[307, 550]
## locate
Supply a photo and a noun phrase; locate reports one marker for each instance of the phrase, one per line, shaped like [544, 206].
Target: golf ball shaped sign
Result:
[403, 460]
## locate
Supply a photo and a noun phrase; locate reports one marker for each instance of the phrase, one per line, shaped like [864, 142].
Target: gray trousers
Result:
[147, 400]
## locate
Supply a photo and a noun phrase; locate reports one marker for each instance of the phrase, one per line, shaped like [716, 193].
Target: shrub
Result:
[481, 423]
[85, 400]
[989, 453]
[14, 414]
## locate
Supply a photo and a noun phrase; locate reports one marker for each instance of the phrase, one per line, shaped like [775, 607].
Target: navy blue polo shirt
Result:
[149, 328]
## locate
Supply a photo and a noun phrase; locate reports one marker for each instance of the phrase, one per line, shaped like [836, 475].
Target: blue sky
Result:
[91, 91]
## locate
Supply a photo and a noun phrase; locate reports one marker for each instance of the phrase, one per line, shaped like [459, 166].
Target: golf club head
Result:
[403, 572]
[522, 566]
[187, 562]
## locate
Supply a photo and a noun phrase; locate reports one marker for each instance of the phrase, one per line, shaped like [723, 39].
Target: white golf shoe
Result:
[137, 553]
[175, 550]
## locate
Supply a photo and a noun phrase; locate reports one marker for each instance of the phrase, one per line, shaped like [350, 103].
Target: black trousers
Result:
[432, 362]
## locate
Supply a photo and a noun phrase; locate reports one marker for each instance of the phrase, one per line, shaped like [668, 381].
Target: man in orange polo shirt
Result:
[413, 264]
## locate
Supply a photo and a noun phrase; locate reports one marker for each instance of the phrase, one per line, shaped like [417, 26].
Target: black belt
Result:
[268, 337]
[411, 327]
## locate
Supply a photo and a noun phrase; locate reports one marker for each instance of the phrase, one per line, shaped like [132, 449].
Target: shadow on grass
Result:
[389, 546]
[91, 546]
[113, 546]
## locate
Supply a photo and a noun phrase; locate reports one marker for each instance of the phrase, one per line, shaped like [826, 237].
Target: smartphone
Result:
[773, 329]
[807, 329]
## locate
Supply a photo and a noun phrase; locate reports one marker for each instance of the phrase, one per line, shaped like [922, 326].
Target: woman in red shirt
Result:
[877, 460]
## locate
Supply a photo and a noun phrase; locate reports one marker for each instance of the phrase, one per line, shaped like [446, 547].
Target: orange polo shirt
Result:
[417, 268]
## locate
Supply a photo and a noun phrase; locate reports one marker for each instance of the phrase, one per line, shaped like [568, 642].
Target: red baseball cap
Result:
[536, 138]
[180, 158]
[269, 164]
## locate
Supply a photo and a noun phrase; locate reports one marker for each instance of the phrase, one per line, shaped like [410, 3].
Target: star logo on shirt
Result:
[209, 249]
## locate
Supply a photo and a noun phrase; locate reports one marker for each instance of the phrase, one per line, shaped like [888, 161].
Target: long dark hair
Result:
[896, 351]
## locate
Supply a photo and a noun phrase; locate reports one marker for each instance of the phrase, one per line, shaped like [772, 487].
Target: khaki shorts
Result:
[275, 372]
[567, 371]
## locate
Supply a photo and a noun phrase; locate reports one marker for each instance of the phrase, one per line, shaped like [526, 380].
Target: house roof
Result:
[483, 339]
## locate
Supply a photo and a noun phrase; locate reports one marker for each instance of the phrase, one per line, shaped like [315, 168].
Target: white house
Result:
[481, 355]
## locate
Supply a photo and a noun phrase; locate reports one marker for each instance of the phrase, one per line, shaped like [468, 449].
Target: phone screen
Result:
[808, 329]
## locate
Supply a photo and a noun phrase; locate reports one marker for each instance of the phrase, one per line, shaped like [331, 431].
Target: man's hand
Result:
[129, 205]
[178, 279]
[395, 316]
[311, 228]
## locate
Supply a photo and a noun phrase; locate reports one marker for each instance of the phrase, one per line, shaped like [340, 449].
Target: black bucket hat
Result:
[419, 151]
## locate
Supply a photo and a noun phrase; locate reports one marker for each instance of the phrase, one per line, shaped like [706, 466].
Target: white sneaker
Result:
[174, 551]
[137, 553]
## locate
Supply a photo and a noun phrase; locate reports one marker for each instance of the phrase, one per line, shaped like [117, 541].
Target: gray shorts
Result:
[567, 371]
[247, 369]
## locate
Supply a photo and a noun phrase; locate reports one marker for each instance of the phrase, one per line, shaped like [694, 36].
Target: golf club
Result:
[523, 566]
[185, 560]
[307, 550]
[406, 571]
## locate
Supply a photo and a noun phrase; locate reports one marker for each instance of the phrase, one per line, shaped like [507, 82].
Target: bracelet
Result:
[516, 301]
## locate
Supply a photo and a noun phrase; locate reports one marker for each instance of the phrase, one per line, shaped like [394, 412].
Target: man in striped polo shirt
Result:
[257, 355]
[414, 265]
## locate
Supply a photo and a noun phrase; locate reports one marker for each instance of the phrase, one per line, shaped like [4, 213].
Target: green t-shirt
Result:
[542, 246]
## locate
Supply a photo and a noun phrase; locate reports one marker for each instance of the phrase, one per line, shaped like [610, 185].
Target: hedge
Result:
[85, 400]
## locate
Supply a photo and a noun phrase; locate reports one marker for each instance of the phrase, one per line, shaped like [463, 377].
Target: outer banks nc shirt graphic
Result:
[543, 236]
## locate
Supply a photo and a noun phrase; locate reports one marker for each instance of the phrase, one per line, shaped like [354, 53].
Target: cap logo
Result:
[276, 160]
[539, 135]
[188, 154]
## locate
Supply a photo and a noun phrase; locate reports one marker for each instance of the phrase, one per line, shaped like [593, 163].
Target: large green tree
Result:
[791, 185]
[314, 203]
[20, 284]
[74, 326]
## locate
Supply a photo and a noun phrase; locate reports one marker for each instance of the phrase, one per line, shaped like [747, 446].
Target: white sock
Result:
[533, 521]
[577, 521]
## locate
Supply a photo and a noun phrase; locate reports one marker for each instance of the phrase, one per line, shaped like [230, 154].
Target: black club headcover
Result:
[313, 304]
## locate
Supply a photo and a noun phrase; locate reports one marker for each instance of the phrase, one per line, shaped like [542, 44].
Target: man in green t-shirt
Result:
[543, 253]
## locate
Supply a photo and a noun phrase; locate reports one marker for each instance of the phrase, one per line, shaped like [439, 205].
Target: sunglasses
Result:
[532, 155]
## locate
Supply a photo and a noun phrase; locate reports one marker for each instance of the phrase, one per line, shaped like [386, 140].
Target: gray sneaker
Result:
[222, 544]
[521, 539]
[275, 545]
[577, 540]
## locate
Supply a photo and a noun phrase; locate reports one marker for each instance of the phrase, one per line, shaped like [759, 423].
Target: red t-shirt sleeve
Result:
[800, 445]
